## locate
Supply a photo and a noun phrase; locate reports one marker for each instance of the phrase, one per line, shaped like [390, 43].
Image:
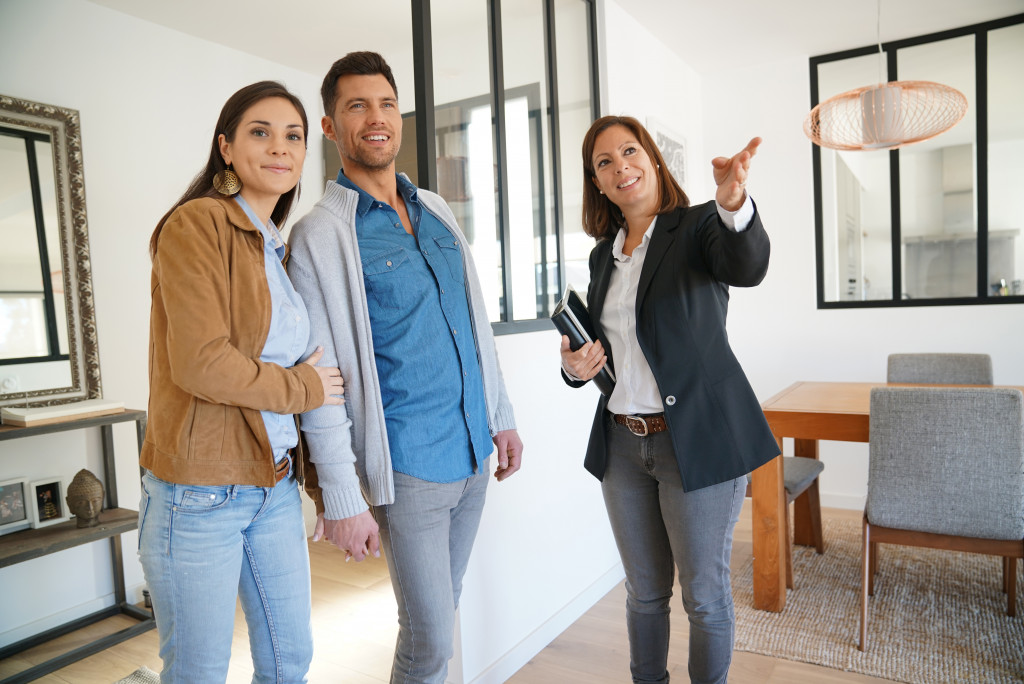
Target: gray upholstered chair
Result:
[800, 480]
[946, 471]
[942, 369]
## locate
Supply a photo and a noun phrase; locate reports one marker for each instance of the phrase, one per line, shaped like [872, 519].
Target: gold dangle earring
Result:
[227, 182]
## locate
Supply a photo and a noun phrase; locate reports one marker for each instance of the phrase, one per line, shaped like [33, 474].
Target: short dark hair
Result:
[227, 124]
[601, 218]
[360, 63]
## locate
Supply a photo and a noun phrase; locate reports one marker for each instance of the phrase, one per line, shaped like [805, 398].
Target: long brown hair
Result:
[230, 118]
[601, 218]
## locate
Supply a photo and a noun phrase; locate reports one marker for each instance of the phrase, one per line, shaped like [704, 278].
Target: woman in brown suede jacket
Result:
[220, 517]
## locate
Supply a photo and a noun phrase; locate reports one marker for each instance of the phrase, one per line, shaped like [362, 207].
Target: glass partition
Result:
[938, 199]
[1005, 152]
[934, 222]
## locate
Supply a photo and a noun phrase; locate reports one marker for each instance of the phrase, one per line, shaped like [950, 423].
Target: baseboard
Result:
[520, 654]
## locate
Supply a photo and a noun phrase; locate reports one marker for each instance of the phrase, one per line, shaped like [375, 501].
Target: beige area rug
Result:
[935, 617]
[141, 676]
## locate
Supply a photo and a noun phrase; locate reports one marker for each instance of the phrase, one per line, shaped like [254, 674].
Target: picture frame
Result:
[672, 147]
[47, 503]
[15, 511]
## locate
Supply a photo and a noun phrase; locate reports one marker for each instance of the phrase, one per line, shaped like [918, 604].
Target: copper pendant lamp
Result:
[885, 116]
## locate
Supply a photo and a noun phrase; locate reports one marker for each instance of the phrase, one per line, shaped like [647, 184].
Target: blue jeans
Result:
[427, 535]
[201, 548]
[658, 528]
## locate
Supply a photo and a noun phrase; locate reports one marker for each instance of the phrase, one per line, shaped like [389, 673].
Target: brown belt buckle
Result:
[630, 420]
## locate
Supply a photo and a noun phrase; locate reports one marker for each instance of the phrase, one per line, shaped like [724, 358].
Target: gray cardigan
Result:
[349, 443]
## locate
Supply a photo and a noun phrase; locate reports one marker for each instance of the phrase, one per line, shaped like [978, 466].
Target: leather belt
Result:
[282, 468]
[641, 426]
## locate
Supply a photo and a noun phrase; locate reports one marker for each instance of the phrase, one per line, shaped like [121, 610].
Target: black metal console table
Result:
[28, 544]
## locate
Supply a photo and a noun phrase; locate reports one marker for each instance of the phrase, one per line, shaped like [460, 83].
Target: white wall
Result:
[148, 99]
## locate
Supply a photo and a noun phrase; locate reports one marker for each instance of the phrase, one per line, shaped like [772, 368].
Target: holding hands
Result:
[731, 176]
[357, 536]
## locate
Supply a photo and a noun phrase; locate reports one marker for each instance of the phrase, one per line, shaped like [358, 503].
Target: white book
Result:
[43, 415]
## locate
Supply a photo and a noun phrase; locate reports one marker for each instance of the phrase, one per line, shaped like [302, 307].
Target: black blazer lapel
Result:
[599, 282]
[661, 241]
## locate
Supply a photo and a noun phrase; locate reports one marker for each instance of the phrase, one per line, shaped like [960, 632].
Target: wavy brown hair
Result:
[228, 122]
[601, 218]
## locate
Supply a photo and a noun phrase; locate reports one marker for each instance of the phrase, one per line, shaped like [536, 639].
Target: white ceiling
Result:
[709, 35]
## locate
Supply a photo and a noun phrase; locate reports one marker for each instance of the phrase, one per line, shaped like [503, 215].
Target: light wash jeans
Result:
[427, 535]
[659, 527]
[202, 547]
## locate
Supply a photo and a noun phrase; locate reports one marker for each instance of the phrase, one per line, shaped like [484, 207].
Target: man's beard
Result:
[377, 160]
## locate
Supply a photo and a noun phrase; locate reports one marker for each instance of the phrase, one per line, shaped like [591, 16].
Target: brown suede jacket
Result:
[209, 320]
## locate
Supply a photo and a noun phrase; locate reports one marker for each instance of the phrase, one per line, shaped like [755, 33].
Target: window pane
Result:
[533, 243]
[575, 114]
[938, 203]
[466, 171]
[1005, 151]
[856, 219]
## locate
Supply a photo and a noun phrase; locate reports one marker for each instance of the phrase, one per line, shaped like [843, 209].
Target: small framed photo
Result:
[48, 506]
[15, 506]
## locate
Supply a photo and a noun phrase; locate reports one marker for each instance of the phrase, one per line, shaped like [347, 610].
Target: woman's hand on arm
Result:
[731, 176]
[333, 383]
[585, 362]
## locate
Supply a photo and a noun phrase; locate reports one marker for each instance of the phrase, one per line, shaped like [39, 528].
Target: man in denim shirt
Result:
[392, 291]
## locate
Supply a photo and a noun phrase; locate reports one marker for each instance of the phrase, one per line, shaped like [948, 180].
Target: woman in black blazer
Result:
[673, 442]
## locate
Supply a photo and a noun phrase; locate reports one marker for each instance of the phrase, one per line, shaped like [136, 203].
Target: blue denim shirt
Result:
[289, 328]
[431, 386]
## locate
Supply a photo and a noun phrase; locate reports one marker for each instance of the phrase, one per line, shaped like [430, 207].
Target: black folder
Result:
[573, 320]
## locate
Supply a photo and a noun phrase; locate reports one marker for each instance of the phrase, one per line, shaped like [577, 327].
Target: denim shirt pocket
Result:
[390, 285]
[450, 248]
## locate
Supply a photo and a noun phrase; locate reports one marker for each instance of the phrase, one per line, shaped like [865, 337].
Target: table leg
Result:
[803, 511]
[769, 535]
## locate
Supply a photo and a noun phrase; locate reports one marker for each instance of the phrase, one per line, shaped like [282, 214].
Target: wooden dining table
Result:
[806, 412]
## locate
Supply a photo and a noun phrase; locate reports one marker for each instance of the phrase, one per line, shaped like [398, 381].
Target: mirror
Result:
[49, 351]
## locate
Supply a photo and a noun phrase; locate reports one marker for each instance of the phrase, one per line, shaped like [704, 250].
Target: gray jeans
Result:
[658, 528]
[427, 536]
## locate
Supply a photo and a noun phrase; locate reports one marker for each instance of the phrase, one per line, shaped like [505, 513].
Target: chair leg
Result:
[1011, 586]
[865, 579]
[873, 568]
[1006, 574]
[789, 551]
[814, 503]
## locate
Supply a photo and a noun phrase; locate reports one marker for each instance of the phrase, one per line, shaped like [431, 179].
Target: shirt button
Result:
[670, 400]
[389, 264]
[456, 243]
[454, 331]
[442, 291]
[398, 225]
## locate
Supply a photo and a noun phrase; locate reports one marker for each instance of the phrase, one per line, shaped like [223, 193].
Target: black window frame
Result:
[426, 152]
[983, 296]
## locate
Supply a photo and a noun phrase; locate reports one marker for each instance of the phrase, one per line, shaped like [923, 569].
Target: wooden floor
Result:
[354, 630]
